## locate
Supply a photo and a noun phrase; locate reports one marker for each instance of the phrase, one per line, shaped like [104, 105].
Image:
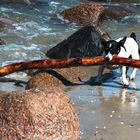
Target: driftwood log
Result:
[65, 63]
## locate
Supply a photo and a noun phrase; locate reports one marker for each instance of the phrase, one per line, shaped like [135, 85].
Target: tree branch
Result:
[65, 63]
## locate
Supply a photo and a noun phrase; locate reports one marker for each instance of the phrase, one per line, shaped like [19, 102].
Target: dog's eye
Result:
[118, 51]
[106, 48]
[112, 51]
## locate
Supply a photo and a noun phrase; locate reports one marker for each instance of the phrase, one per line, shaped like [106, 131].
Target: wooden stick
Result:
[65, 63]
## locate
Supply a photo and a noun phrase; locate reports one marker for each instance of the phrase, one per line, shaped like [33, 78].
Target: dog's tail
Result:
[133, 35]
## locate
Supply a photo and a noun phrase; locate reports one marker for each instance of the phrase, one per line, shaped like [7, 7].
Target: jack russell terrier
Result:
[124, 47]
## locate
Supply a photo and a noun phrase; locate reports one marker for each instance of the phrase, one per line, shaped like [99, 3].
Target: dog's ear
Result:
[121, 42]
[104, 42]
[133, 35]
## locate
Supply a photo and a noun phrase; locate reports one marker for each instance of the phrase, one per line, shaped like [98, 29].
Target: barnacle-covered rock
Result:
[37, 114]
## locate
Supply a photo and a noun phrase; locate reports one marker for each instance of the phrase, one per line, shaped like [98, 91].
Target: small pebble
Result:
[104, 127]
[111, 116]
[113, 111]
[131, 125]
[81, 133]
[92, 101]
[96, 132]
[136, 114]
[93, 112]
[119, 116]
[121, 122]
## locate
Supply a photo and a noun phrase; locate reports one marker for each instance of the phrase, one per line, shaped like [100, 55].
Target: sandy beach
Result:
[109, 111]
[106, 112]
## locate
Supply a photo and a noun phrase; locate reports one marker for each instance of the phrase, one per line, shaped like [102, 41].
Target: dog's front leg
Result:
[100, 71]
[124, 80]
[132, 76]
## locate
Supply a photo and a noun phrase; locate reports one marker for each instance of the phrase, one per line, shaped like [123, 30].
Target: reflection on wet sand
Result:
[126, 96]
[131, 98]
[107, 112]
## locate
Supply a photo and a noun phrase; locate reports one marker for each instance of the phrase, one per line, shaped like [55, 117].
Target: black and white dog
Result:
[123, 47]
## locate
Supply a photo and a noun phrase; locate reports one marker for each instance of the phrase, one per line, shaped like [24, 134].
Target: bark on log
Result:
[65, 63]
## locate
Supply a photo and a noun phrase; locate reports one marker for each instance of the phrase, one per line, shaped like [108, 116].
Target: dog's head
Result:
[112, 48]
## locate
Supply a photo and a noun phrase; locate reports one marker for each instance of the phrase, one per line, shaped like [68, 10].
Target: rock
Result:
[86, 42]
[2, 42]
[6, 23]
[117, 1]
[15, 1]
[125, 1]
[84, 13]
[116, 12]
[28, 2]
[41, 80]
[67, 77]
[38, 115]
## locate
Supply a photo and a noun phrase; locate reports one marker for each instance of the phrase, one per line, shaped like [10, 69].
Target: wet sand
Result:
[106, 112]
[109, 111]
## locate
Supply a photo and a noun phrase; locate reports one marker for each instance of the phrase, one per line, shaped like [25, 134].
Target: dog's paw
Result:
[125, 82]
[97, 82]
[132, 76]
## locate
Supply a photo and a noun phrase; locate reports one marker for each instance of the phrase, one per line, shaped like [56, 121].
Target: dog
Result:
[123, 47]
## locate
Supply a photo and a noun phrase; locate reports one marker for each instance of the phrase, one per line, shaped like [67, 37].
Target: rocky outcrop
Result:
[28, 2]
[117, 1]
[92, 14]
[16, 1]
[37, 114]
[4, 23]
[84, 13]
[2, 42]
[125, 1]
[86, 42]
[116, 12]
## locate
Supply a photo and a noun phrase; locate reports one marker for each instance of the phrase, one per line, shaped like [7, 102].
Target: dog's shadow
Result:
[108, 79]
[91, 81]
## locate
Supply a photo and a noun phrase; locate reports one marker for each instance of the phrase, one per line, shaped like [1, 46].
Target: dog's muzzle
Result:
[107, 58]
